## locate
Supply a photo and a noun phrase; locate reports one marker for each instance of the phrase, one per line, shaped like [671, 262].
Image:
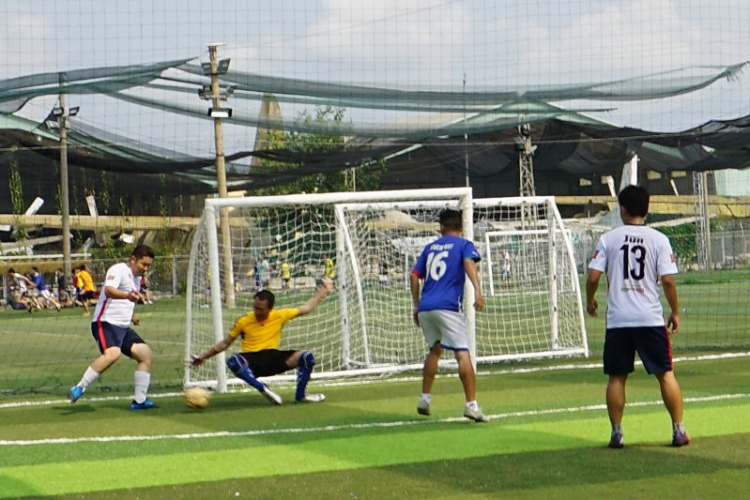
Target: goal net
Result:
[373, 238]
[529, 279]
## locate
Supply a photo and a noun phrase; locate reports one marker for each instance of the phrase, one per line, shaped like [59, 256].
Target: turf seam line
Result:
[334, 428]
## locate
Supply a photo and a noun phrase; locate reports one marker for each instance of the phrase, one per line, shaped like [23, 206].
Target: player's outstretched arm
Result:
[220, 346]
[470, 267]
[313, 301]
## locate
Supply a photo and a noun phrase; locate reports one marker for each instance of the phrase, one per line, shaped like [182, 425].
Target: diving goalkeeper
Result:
[260, 355]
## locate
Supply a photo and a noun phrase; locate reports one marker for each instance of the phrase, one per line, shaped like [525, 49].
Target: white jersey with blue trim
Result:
[117, 312]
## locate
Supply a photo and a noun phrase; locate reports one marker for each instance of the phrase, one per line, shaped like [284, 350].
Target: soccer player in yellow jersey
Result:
[88, 290]
[286, 275]
[260, 356]
[330, 269]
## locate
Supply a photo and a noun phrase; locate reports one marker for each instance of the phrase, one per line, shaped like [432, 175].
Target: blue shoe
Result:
[146, 405]
[75, 393]
[617, 440]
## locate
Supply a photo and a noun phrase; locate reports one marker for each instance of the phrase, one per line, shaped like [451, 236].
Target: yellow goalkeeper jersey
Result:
[260, 335]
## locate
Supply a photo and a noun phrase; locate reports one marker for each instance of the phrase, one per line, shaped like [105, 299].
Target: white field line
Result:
[335, 428]
[354, 382]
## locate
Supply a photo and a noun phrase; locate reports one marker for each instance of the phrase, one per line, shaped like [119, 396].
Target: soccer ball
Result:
[197, 398]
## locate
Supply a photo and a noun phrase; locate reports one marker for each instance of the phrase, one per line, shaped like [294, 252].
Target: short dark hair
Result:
[35, 269]
[11, 271]
[635, 200]
[142, 251]
[82, 267]
[265, 296]
[451, 219]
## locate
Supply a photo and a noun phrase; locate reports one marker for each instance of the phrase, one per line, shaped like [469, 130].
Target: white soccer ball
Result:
[197, 398]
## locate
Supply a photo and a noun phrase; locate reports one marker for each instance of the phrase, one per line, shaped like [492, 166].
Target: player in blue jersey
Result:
[444, 265]
[44, 293]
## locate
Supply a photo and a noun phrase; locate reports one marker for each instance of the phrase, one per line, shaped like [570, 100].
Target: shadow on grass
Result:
[569, 472]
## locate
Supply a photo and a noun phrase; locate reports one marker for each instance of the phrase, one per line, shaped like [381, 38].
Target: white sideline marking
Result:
[334, 428]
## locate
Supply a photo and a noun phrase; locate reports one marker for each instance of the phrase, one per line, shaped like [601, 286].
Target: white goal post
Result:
[365, 326]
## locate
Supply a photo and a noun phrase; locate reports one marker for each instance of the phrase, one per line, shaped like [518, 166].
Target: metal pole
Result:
[63, 123]
[707, 220]
[466, 139]
[221, 177]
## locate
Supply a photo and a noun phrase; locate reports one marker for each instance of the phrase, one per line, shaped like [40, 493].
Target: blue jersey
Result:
[39, 281]
[441, 265]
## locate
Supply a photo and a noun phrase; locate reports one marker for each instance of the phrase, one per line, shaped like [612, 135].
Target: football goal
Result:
[365, 326]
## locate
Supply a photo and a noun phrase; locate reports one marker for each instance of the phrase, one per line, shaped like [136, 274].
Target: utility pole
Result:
[466, 139]
[221, 175]
[63, 123]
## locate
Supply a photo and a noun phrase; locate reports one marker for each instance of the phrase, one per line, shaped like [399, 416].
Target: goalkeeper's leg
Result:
[305, 366]
[242, 370]
[238, 365]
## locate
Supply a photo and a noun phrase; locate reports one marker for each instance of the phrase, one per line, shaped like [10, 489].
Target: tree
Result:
[283, 223]
[367, 177]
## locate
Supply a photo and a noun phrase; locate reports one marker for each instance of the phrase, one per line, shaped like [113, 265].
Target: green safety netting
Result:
[442, 121]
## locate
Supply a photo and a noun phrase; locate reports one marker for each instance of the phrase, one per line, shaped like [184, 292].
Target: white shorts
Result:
[46, 294]
[446, 327]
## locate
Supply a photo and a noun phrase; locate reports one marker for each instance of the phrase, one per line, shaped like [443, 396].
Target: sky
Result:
[406, 44]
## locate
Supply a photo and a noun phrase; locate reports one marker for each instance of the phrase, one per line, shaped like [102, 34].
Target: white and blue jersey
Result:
[441, 265]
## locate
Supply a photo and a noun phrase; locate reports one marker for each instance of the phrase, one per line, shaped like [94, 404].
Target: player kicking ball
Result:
[260, 356]
[111, 328]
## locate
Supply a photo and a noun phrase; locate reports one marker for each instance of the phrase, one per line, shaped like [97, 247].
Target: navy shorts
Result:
[650, 342]
[267, 362]
[107, 335]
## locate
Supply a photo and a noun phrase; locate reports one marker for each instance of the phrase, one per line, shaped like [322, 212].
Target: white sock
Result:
[472, 404]
[142, 381]
[425, 397]
[89, 377]
[678, 427]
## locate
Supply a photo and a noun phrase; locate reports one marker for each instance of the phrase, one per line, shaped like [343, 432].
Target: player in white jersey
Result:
[111, 328]
[635, 257]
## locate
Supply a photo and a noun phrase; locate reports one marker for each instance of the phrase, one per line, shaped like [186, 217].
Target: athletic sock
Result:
[617, 428]
[678, 427]
[89, 377]
[472, 405]
[426, 397]
[142, 381]
[304, 372]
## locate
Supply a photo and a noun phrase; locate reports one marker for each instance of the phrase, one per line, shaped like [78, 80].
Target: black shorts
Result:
[87, 296]
[107, 335]
[268, 362]
[650, 342]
